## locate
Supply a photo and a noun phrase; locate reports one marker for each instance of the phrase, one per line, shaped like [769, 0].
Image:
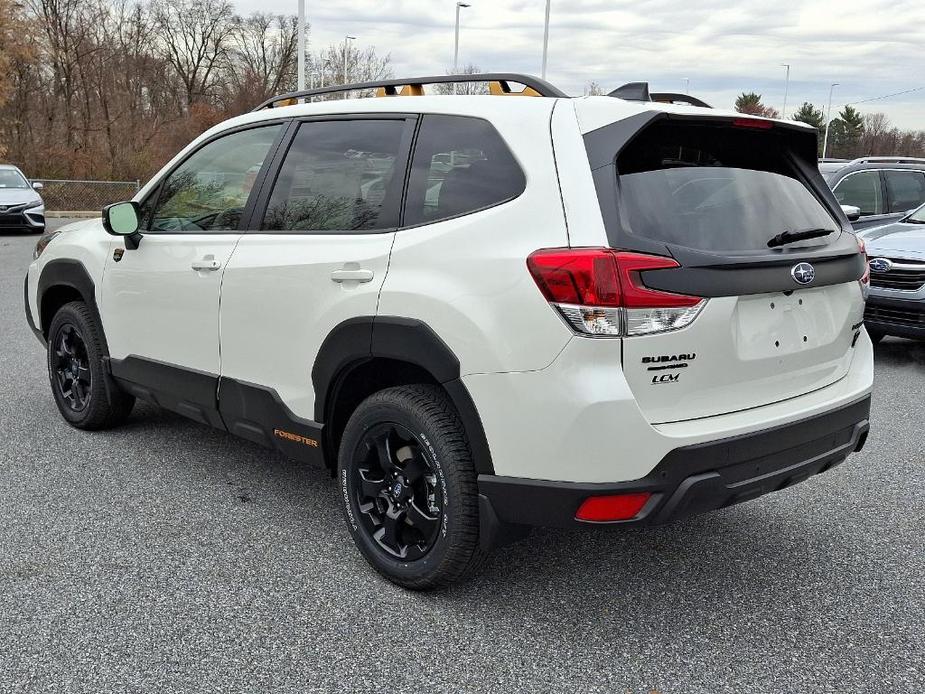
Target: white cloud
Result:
[870, 47]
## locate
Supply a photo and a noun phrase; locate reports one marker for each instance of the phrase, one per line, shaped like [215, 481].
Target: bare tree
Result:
[363, 65]
[464, 87]
[262, 59]
[194, 36]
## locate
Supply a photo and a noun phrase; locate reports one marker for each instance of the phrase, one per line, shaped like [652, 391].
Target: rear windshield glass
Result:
[715, 188]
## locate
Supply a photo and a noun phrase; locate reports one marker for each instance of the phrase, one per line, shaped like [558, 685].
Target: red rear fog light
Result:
[613, 507]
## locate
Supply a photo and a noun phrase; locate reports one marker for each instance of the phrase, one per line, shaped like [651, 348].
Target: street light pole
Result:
[459, 6]
[347, 39]
[301, 59]
[546, 38]
[828, 119]
[687, 85]
[783, 113]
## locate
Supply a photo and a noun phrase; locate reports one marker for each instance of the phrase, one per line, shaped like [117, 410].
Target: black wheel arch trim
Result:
[65, 272]
[410, 340]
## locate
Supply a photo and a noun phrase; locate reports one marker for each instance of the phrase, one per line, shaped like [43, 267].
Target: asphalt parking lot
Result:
[166, 556]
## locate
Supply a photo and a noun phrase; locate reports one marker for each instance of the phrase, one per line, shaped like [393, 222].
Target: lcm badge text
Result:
[669, 365]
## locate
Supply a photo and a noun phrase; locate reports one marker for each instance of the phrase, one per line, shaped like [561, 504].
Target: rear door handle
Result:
[357, 275]
[208, 263]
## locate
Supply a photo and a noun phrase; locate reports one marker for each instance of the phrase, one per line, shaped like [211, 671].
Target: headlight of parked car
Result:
[34, 203]
[43, 242]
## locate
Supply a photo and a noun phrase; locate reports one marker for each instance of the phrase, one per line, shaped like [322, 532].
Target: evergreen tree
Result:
[807, 113]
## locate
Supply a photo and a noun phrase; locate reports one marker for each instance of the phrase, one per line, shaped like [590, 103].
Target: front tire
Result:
[408, 487]
[85, 394]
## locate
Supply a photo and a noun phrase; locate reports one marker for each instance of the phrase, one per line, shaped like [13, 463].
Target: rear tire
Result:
[85, 394]
[408, 487]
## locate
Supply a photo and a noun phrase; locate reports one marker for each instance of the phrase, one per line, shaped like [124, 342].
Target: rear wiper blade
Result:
[785, 237]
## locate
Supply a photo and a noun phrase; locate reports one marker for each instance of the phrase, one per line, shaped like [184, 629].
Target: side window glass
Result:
[338, 176]
[209, 190]
[460, 165]
[906, 188]
[861, 190]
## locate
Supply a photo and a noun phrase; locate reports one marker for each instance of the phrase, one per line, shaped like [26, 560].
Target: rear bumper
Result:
[901, 317]
[697, 478]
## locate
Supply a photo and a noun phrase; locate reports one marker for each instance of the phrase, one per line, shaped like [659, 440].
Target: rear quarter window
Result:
[713, 187]
[460, 165]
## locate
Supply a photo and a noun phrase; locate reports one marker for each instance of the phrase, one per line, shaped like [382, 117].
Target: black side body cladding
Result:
[258, 414]
[188, 392]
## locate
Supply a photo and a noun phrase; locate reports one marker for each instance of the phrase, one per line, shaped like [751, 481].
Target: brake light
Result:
[754, 123]
[613, 507]
[865, 278]
[599, 291]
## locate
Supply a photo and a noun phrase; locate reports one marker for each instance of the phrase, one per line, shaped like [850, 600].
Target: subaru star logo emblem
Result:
[803, 273]
[881, 265]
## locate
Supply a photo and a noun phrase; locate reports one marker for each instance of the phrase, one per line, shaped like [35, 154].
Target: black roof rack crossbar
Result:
[542, 87]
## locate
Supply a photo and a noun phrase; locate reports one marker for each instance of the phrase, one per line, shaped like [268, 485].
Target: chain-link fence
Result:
[84, 195]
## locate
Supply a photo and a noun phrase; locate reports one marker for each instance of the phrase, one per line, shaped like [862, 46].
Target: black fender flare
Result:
[64, 272]
[403, 339]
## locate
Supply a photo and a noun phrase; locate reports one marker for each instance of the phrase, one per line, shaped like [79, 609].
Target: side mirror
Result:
[38, 185]
[123, 219]
[851, 212]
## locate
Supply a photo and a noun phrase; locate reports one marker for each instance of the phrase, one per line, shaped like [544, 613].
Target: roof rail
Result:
[888, 160]
[538, 86]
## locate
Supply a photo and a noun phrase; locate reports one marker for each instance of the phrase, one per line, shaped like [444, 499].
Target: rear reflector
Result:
[599, 291]
[615, 507]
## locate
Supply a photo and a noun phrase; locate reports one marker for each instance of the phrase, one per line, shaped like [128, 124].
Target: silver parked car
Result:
[896, 252]
[21, 206]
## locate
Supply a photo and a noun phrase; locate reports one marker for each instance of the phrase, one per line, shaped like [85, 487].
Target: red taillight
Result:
[865, 278]
[754, 123]
[601, 277]
[614, 507]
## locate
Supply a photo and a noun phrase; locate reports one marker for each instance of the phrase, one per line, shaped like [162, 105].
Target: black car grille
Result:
[12, 220]
[907, 279]
[913, 317]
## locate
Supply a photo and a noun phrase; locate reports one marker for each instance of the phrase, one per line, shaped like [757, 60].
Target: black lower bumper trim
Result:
[698, 478]
[900, 317]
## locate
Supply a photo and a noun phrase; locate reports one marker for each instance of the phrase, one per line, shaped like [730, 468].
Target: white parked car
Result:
[538, 311]
[21, 205]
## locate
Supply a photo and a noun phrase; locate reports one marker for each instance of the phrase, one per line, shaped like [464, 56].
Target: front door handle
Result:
[352, 275]
[208, 264]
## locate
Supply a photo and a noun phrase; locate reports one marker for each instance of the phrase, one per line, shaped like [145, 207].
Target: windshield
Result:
[716, 188]
[10, 178]
[917, 217]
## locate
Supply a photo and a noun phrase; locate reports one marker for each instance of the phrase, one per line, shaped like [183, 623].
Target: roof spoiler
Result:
[639, 91]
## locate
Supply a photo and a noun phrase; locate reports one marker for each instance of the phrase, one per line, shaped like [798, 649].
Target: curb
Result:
[77, 214]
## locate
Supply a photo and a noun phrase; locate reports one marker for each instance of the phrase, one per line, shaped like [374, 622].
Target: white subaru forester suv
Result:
[480, 313]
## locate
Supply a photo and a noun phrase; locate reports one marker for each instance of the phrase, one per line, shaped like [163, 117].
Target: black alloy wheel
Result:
[408, 487]
[396, 490]
[86, 395]
[72, 367]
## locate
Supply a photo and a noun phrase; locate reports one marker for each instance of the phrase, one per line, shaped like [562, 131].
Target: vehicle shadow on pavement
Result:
[899, 352]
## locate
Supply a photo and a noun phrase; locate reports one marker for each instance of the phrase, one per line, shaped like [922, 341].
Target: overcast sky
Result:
[871, 47]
